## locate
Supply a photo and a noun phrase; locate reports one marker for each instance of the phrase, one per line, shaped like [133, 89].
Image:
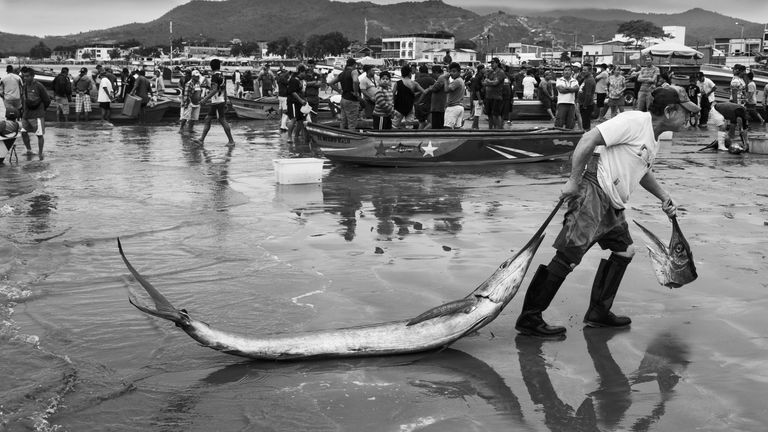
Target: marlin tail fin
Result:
[163, 308]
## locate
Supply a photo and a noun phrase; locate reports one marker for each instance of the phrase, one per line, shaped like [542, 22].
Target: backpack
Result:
[218, 78]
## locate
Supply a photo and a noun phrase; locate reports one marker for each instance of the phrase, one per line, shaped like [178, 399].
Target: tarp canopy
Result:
[672, 49]
[370, 61]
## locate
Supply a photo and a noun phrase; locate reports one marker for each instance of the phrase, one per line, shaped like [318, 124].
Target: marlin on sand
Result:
[433, 329]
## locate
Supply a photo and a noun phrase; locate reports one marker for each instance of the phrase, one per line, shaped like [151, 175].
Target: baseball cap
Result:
[673, 94]
[196, 73]
[83, 70]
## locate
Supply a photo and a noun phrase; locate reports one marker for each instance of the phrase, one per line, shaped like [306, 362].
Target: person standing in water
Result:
[217, 95]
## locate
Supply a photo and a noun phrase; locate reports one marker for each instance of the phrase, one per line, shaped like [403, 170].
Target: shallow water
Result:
[211, 229]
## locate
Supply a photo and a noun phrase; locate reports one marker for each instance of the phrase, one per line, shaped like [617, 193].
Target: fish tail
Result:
[163, 308]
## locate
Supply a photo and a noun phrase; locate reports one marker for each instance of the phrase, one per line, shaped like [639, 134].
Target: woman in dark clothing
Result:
[405, 95]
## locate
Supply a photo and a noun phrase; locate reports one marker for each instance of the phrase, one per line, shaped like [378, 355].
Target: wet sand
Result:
[212, 230]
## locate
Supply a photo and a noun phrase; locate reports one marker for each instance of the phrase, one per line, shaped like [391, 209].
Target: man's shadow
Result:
[665, 359]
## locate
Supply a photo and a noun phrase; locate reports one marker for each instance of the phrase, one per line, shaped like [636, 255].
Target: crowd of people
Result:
[422, 97]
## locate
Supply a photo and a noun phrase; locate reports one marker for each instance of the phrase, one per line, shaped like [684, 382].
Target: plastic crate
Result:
[298, 170]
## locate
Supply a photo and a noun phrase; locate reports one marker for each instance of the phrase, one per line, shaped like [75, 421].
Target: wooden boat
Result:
[430, 147]
[262, 108]
[152, 114]
[266, 108]
[528, 109]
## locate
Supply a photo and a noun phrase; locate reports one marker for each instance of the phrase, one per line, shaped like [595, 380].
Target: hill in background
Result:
[254, 20]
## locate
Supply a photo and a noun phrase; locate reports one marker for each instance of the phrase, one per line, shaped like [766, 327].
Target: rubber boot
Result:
[540, 293]
[607, 281]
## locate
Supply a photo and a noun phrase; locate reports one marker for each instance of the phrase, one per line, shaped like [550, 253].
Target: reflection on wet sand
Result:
[411, 392]
[399, 197]
[40, 208]
[395, 203]
[665, 360]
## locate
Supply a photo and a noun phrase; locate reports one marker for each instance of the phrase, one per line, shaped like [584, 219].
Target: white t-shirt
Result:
[103, 95]
[566, 98]
[705, 87]
[529, 83]
[367, 86]
[629, 152]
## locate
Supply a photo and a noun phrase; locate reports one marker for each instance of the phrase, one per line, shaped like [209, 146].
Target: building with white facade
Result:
[93, 53]
[462, 56]
[413, 46]
[208, 51]
[610, 52]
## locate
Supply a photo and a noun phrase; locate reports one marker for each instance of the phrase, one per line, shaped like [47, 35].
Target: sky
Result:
[61, 17]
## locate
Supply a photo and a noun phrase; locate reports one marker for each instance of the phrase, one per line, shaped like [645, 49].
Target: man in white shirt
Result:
[608, 164]
[368, 89]
[707, 98]
[10, 89]
[567, 87]
[529, 85]
[106, 95]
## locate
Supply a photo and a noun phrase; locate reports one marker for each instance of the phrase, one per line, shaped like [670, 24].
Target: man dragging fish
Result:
[609, 162]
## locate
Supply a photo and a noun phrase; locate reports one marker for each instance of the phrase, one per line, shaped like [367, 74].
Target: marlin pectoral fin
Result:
[164, 308]
[463, 305]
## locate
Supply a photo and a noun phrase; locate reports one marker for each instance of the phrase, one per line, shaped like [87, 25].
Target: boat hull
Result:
[255, 109]
[152, 114]
[528, 109]
[416, 148]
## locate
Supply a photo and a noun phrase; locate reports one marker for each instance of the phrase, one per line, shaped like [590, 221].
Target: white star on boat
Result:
[429, 150]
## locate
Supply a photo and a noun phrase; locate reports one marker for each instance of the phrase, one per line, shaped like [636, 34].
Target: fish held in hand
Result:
[673, 264]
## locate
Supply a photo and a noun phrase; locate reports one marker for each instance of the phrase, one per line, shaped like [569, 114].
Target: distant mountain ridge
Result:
[252, 20]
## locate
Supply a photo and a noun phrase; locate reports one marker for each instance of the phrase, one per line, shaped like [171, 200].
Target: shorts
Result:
[601, 99]
[477, 108]
[62, 103]
[381, 122]
[494, 107]
[282, 103]
[421, 112]
[294, 111]
[398, 118]
[216, 111]
[546, 103]
[104, 105]
[454, 116]
[191, 112]
[615, 102]
[82, 102]
[36, 125]
[589, 219]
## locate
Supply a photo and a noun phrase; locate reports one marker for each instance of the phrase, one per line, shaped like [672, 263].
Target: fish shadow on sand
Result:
[348, 394]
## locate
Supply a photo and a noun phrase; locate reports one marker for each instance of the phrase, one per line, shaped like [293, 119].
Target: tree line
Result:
[315, 46]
